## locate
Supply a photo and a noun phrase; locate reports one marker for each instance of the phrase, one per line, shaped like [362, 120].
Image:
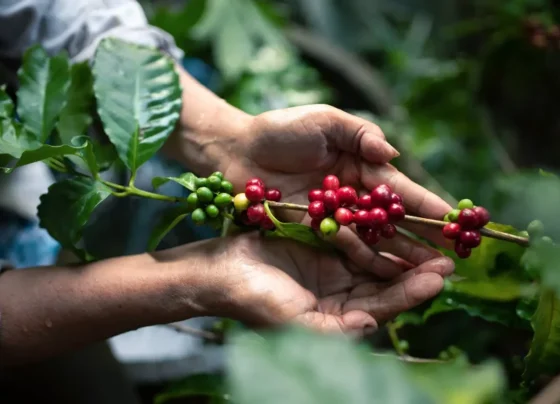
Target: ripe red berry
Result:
[365, 202]
[347, 196]
[254, 193]
[273, 194]
[462, 251]
[451, 230]
[362, 230]
[389, 231]
[316, 224]
[470, 238]
[378, 217]
[315, 195]
[396, 212]
[331, 200]
[343, 216]
[267, 223]
[317, 210]
[255, 181]
[362, 218]
[468, 219]
[331, 182]
[371, 236]
[255, 213]
[483, 216]
[381, 196]
[396, 198]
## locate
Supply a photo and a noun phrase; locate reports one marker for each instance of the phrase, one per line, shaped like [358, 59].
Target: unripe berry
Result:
[381, 196]
[483, 216]
[462, 251]
[396, 198]
[316, 224]
[331, 182]
[468, 219]
[223, 200]
[465, 204]
[205, 195]
[273, 194]
[316, 195]
[255, 181]
[378, 217]
[343, 216]
[362, 218]
[212, 211]
[446, 218]
[347, 196]
[218, 174]
[535, 228]
[454, 215]
[254, 193]
[329, 227]
[198, 216]
[331, 200]
[214, 183]
[201, 182]
[317, 210]
[241, 202]
[226, 187]
[451, 230]
[267, 223]
[192, 201]
[255, 213]
[389, 231]
[396, 212]
[371, 236]
[470, 238]
[365, 202]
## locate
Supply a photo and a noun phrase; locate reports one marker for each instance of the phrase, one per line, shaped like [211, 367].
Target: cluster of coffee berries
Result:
[250, 206]
[541, 35]
[464, 226]
[374, 214]
[212, 196]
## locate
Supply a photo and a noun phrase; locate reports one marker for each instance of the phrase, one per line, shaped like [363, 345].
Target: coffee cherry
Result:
[470, 238]
[317, 210]
[316, 224]
[222, 200]
[212, 211]
[462, 251]
[446, 218]
[343, 216]
[396, 198]
[378, 217]
[546, 240]
[255, 213]
[535, 228]
[362, 218]
[454, 215]
[205, 195]
[389, 231]
[218, 174]
[371, 236]
[451, 230]
[200, 182]
[362, 230]
[254, 193]
[329, 227]
[347, 196]
[245, 219]
[273, 194]
[331, 182]
[381, 196]
[482, 215]
[468, 219]
[198, 216]
[331, 200]
[465, 204]
[267, 223]
[241, 202]
[214, 183]
[365, 202]
[192, 201]
[255, 181]
[396, 212]
[316, 195]
[226, 186]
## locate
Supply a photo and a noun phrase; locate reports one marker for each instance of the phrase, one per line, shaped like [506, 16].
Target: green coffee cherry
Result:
[403, 345]
[214, 183]
[192, 202]
[212, 211]
[465, 204]
[198, 216]
[223, 200]
[546, 240]
[454, 215]
[227, 187]
[201, 182]
[218, 174]
[205, 195]
[329, 227]
[446, 218]
[535, 228]
[523, 233]
[241, 202]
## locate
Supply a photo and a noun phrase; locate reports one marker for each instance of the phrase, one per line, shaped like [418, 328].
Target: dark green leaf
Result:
[76, 116]
[66, 208]
[6, 104]
[186, 180]
[15, 140]
[200, 385]
[138, 98]
[43, 84]
[168, 221]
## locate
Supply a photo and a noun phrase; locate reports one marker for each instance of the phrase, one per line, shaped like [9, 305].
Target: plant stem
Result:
[132, 190]
[421, 220]
[392, 330]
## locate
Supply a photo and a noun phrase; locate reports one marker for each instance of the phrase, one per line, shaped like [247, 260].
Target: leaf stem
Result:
[132, 190]
[392, 330]
[522, 241]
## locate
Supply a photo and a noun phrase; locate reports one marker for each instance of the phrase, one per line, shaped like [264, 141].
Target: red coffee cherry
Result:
[362, 218]
[315, 195]
[316, 224]
[451, 230]
[483, 216]
[343, 216]
[381, 196]
[256, 213]
[470, 238]
[255, 181]
[365, 202]
[347, 196]
[462, 251]
[396, 212]
[317, 210]
[267, 223]
[254, 193]
[362, 230]
[331, 200]
[396, 198]
[389, 231]
[273, 194]
[378, 217]
[371, 236]
[468, 219]
[331, 182]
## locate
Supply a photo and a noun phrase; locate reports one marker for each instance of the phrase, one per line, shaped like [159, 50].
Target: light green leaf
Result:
[186, 180]
[15, 140]
[65, 209]
[76, 116]
[6, 104]
[499, 289]
[138, 98]
[200, 385]
[43, 84]
[170, 218]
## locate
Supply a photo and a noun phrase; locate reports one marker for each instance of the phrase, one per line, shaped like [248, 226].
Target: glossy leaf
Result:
[15, 140]
[186, 180]
[199, 385]
[504, 289]
[6, 104]
[66, 207]
[138, 98]
[43, 84]
[169, 219]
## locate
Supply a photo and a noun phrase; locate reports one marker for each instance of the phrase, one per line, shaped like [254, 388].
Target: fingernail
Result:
[395, 151]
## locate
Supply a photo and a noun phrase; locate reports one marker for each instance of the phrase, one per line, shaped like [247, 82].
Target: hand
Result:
[273, 282]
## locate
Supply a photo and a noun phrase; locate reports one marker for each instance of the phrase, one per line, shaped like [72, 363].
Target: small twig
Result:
[195, 332]
[409, 359]
[392, 330]
[421, 220]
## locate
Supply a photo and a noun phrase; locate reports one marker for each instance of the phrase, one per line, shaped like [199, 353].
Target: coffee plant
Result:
[503, 275]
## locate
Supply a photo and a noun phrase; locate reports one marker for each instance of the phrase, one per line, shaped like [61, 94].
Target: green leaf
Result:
[200, 385]
[6, 104]
[296, 231]
[15, 140]
[138, 98]
[76, 116]
[543, 358]
[547, 174]
[43, 84]
[186, 180]
[168, 221]
[503, 289]
[65, 209]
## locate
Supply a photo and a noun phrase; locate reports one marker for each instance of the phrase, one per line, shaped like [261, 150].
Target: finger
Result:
[408, 249]
[399, 297]
[352, 322]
